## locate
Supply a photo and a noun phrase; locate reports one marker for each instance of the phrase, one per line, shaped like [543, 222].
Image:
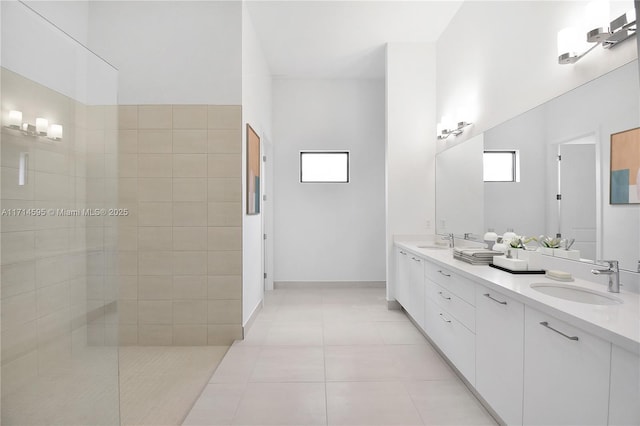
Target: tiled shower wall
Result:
[180, 248]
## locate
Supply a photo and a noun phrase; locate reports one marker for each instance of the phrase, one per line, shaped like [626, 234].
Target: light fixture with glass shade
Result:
[572, 43]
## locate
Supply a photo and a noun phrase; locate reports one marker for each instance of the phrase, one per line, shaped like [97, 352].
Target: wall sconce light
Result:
[444, 131]
[42, 124]
[41, 128]
[572, 45]
[55, 132]
[15, 119]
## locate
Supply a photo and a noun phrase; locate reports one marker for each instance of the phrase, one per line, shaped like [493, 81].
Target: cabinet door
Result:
[403, 276]
[416, 290]
[624, 399]
[566, 373]
[499, 353]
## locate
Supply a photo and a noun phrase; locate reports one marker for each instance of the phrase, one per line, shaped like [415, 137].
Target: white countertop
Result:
[619, 324]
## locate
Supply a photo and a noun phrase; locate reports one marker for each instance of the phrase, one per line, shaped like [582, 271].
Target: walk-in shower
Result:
[58, 163]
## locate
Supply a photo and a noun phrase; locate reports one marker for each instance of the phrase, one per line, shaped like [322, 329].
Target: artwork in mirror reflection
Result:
[625, 167]
[564, 187]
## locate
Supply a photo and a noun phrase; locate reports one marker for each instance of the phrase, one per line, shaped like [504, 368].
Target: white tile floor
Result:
[334, 357]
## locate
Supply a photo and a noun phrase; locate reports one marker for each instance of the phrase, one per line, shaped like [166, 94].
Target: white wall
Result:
[256, 111]
[520, 205]
[329, 232]
[72, 17]
[54, 59]
[171, 52]
[498, 59]
[410, 144]
[459, 179]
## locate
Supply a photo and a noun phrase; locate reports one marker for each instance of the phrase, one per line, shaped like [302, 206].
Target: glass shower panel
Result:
[58, 198]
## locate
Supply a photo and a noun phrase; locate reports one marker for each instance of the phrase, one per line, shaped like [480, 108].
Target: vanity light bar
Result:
[455, 132]
[41, 128]
[619, 30]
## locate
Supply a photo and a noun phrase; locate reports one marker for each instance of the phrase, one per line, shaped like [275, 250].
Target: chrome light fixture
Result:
[444, 133]
[41, 128]
[572, 46]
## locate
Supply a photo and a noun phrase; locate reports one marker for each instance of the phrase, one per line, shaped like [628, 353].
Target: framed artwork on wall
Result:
[625, 167]
[253, 171]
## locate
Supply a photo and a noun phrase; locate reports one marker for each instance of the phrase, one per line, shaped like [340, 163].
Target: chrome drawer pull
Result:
[495, 300]
[443, 296]
[417, 260]
[546, 324]
[446, 275]
[444, 319]
[403, 253]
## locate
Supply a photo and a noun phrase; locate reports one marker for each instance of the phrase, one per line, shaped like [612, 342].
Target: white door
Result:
[267, 213]
[578, 189]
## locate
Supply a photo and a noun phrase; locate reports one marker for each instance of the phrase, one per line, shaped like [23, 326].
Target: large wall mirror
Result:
[563, 160]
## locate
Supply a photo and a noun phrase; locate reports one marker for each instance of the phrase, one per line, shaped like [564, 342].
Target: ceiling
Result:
[342, 39]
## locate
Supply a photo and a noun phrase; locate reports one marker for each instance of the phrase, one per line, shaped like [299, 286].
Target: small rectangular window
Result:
[324, 166]
[501, 166]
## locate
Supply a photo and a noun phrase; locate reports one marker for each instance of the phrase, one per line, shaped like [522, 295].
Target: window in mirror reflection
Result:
[501, 166]
[324, 166]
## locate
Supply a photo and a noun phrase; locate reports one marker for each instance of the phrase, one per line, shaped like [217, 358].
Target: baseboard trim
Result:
[394, 305]
[252, 318]
[329, 284]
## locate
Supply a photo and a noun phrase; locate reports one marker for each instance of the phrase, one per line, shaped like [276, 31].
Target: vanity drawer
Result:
[452, 338]
[457, 307]
[451, 281]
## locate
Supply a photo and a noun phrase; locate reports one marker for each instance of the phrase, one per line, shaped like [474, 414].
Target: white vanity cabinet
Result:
[624, 396]
[450, 316]
[566, 373]
[500, 353]
[410, 284]
[403, 271]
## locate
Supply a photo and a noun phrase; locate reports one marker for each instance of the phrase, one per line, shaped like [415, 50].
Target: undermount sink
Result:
[432, 246]
[575, 294]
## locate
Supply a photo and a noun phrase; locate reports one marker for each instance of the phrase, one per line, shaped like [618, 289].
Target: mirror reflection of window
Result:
[324, 166]
[500, 166]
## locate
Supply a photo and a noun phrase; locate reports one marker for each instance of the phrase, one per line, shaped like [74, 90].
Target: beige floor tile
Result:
[295, 333]
[400, 333]
[216, 405]
[282, 404]
[420, 362]
[360, 363]
[237, 366]
[299, 313]
[360, 313]
[160, 384]
[371, 363]
[447, 402]
[375, 403]
[349, 334]
[256, 335]
[289, 364]
[354, 296]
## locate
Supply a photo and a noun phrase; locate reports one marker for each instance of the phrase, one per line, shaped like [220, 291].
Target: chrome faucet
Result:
[451, 239]
[614, 275]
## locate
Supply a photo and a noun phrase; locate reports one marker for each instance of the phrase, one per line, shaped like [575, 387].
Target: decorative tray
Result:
[535, 272]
